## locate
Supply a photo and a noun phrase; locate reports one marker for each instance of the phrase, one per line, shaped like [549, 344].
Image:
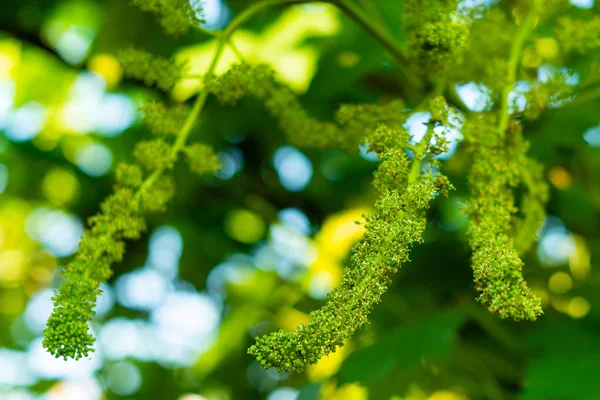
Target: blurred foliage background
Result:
[259, 245]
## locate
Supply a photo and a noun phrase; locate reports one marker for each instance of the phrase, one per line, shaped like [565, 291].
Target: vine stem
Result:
[419, 154]
[527, 25]
[379, 33]
[206, 31]
[584, 97]
[525, 29]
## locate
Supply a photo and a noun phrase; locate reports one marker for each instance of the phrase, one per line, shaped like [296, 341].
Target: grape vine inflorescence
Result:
[439, 48]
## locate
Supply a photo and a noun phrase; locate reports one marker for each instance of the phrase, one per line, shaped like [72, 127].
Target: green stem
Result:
[379, 33]
[438, 90]
[255, 8]
[376, 30]
[235, 50]
[513, 65]
[372, 10]
[585, 97]
[413, 175]
[452, 95]
[205, 31]
[419, 156]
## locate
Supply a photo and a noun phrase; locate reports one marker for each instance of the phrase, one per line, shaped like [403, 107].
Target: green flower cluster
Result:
[258, 82]
[67, 332]
[153, 71]
[202, 159]
[543, 94]
[499, 164]
[175, 16]
[163, 119]
[390, 231]
[154, 154]
[395, 225]
[484, 58]
[121, 218]
[140, 188]
[405, 181]
[436, 35]
[579, 35]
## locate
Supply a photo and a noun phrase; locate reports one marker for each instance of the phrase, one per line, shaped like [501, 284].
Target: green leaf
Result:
[567, 365]
[429, 339]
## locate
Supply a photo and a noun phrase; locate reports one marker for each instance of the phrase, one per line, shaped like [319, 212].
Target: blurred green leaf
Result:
[567, 365]
[430, 339]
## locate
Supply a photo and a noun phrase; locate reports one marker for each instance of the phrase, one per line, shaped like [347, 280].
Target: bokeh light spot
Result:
[94, 159]
[46, 367]
[74, 44]
[547, 48]
[295, 219]
[476, 96]
[12, 266]
[327, 366]
[289, 318]
[244, 226]
[560, 178]
[370, 156]
[76, 389]
[142, 289]
[192, 396]
[165, 248]
[13, 369]
[578, 307]
[116, 113]
[592, 136]
[556, 244]
[38, 310]
[560, 282]
[585, 4]
[232, 161]
[107, 67]
[26, 122]
[293, 168]
[61, 187]
[284, 393]
[124, 378]
[214, 12]
[321, 284]
[57, 231]
[580, 259]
